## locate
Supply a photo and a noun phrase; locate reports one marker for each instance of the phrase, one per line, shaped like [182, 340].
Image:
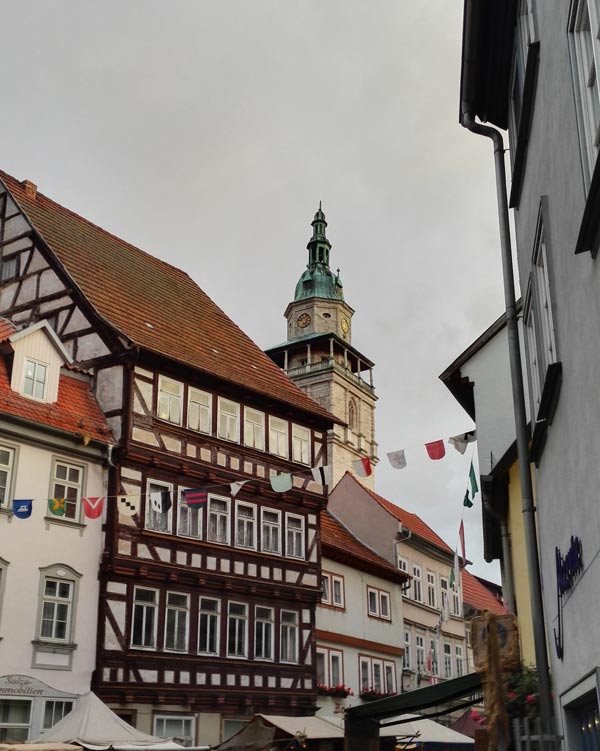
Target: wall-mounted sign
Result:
[568, 570]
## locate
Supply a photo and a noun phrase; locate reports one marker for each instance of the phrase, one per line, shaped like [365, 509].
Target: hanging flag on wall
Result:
[281, 483]
[92, 507]
[235, 487]
[397, 459]
[195, 497]
[57, 506]
[362, 467]
[473, 480]
[128, 505]
[161, 501]
[461, 535]
[22, 508]
[436, 449]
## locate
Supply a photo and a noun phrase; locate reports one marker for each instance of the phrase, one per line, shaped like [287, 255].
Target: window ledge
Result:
[589, 231]
[54, 647]
[529, 87]
[62, 522]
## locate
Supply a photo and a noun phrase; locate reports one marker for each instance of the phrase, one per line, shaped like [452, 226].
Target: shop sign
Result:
[568, 570]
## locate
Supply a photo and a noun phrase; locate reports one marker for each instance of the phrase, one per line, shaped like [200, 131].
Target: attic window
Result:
[9, 268]
[34, 382]
[149, 325]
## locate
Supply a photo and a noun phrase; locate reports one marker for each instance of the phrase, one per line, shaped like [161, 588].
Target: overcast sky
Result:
[207, 132]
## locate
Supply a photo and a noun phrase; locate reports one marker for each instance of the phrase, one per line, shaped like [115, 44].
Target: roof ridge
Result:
[361, 542]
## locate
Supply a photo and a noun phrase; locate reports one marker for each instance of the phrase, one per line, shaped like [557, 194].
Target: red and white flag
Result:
[436, 449]
[92, 507]
[362, 467]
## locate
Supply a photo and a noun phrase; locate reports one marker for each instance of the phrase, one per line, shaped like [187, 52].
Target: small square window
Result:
[35, 378]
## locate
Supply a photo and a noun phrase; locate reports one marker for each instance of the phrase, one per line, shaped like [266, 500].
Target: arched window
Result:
[352, 415]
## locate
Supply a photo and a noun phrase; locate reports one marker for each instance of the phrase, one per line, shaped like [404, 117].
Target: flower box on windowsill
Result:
[341, 692]
[372, 695]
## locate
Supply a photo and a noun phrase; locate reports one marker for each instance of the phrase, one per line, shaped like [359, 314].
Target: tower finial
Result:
[320, 209]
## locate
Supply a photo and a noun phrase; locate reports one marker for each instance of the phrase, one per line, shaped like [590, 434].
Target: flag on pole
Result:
[461, 535]
[362, 467]
[22, 508]
[455, 573]
[397, 459]
[235, 487]
[436, 449]
[128, 505]
[57, 506]
[473, 480]
[281, 483]
[322, 475]
[92, 507]
[466, 500]
[160, 501]
[195, 497]
[460, 442]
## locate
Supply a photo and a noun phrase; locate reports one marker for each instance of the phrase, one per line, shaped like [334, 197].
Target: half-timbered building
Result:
[207, 613]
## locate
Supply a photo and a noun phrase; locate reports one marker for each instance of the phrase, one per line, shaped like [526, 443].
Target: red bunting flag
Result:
[436, 449]
[92, 507]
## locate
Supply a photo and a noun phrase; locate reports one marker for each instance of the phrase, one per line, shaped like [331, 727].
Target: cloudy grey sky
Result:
[207, 132]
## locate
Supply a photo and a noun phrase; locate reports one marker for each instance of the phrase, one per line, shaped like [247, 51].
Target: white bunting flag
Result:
[235, 487]
[322, 475]
[160, 501]
[281, 483]
[397, 459]
[128, 505]
[460, 442]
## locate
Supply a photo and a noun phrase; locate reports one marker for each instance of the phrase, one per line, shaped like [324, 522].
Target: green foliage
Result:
[522, 694]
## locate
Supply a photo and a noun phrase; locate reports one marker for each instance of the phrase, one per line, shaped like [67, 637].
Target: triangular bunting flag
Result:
[397, 459]
[322, 475]
[92, 507]
[466, 500]
[473, 480]
[128, 505]
[460, 442]
[160, 501]
[22, 508]
[195, 497]
[461, 535]
[362, 467]
[235, 487]
[281, 483]
[57, 506]
[436, 449]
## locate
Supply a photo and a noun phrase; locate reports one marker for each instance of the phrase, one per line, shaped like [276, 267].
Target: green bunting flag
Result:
[473, 479]
[467, 501]
[57, 506]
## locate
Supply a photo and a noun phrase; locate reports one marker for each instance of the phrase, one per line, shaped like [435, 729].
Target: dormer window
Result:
[34, 382]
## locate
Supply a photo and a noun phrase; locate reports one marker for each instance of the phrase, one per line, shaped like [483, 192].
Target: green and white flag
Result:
[455, 573]
[473, 480]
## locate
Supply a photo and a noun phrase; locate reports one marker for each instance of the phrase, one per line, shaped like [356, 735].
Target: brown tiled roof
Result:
[75, 411]
[338, 542]
[154, 304]
[478, 596]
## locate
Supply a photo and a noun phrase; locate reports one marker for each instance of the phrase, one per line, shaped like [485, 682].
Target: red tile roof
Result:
[338, 542]
[76, 410]
[6, 329]
[478, 596]
[154, 304]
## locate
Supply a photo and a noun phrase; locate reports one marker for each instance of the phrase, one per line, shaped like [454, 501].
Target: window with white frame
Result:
[417, 589]
[288, 644]
[270, 540]
[35, 378]
[55, 710]
[294, 536]
[67, 484]
[300, 444]
[378, 603]
[158, 498]
[447, 660]
[420, 653]
[175, 727]
[208, 626]
[170, 400]
[377, 675]
[278, 437]
[145, 618]
[403, 564]
[458, 653]
[189, 520]
[330, 667]
[254, 428]
[177, 615]
[431, 589]
[444, 589]
[263, 633]
[7, 456]
[584, 47]
[456, 608]
[332, 587]
[15, 719]
[229, 420]
[245, 525]
[218, 520]
[3, 574]
[389, 677]
[432, 658]
[406, 658]
[524, 35]
[237, 630]
[199, 415]
[57, 608]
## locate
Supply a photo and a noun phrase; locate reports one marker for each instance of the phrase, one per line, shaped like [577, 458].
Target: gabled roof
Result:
[341, 545]
[7, 329]
[75, 411]
[155, 305]
[478, 596]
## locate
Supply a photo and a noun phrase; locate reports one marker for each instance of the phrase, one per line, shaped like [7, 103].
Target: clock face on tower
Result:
[345, 325]
[303, 320]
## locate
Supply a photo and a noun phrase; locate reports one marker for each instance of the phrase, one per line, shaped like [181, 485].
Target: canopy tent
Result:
[93, 725]
[263, 729]
[421, 732]
[39, 747]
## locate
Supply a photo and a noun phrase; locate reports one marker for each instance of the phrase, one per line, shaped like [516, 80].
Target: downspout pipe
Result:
[518, 394]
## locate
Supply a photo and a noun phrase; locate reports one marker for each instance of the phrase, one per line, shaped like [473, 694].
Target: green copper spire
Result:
[318, 280]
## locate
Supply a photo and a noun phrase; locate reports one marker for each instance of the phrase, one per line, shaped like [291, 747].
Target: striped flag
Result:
[195, 497]
[362, 467]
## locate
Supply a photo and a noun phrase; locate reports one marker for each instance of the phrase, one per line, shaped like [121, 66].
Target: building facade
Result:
[207, 608]
[531, 67]
[54, 451]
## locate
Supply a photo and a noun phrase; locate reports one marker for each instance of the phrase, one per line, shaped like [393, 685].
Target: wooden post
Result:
[361, 734]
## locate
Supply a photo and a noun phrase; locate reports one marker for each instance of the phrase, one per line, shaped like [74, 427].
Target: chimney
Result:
[30, 188]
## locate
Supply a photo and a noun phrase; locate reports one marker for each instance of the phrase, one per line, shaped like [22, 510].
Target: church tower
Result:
[319, 357]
